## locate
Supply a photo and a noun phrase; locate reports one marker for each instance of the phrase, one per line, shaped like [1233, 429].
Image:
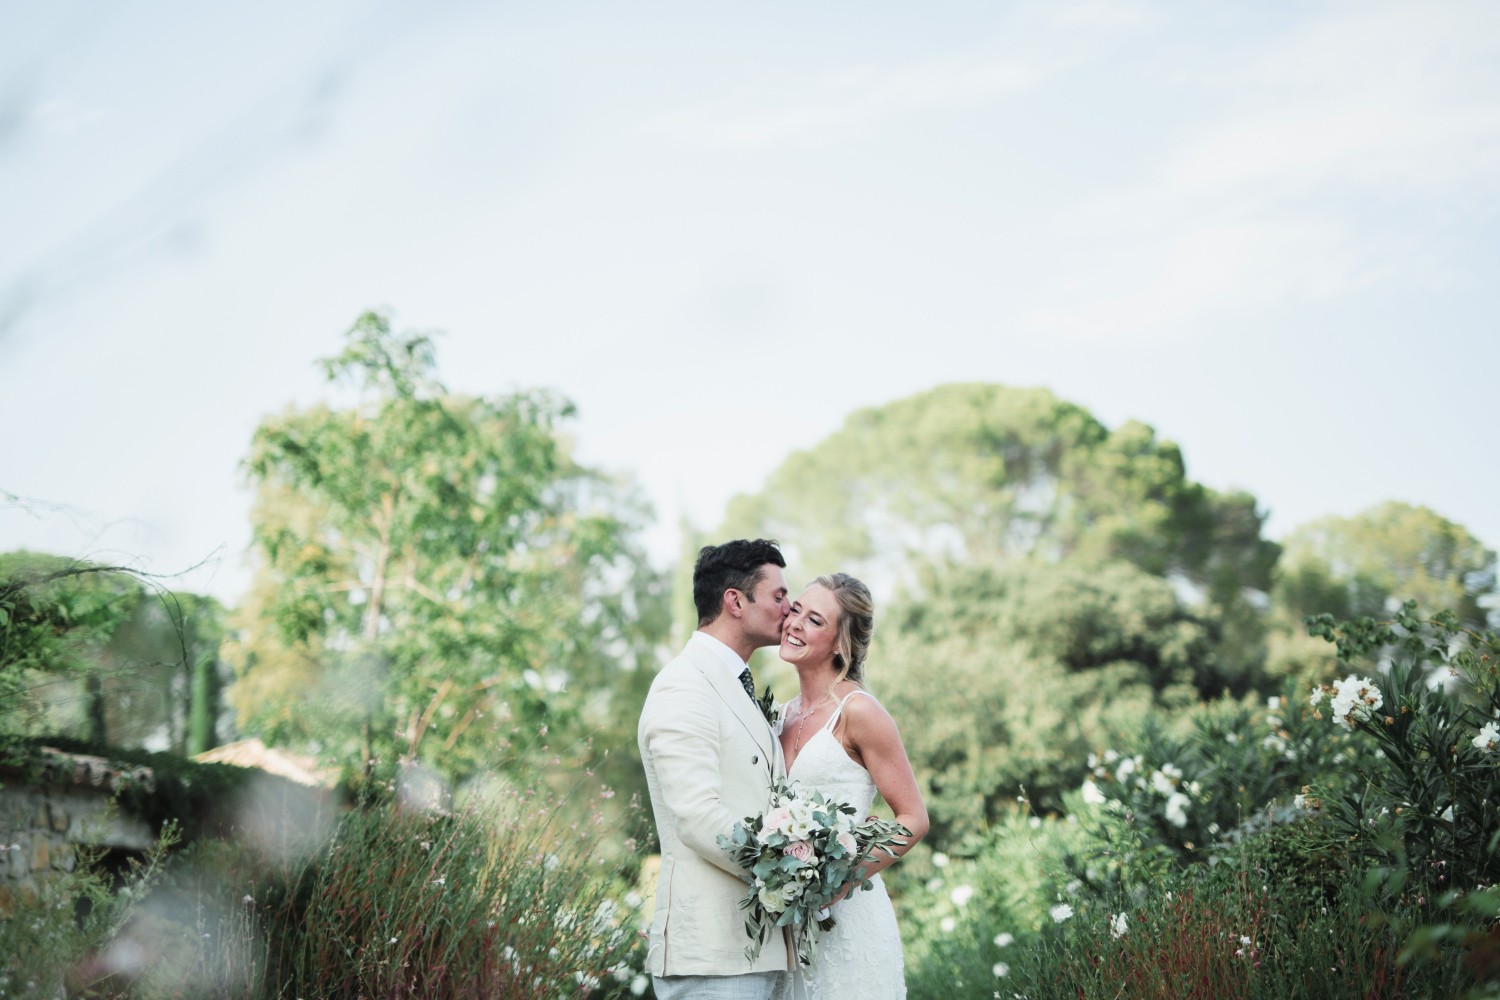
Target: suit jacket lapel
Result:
[744, 709]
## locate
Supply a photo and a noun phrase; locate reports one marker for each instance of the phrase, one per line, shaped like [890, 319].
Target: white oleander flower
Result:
[1176, 809]
[1354, 698]
[1004, 939]
[1060, 912]
[1489, 737]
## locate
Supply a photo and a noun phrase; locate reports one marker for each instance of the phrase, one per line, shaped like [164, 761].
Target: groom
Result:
[710, 758]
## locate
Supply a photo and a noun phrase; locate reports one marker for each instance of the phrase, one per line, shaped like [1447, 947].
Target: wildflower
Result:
[1317, 696]
[248, 899]
[1273, 703]
[1118, 925]
[440, 880]
[1003, 939]
[1092, 794]
[638, 985]
[1489, 736]
[585, 980]
[1001, 970]
[1060, 912]
[391, 941]
[947, 924]
[961, 894]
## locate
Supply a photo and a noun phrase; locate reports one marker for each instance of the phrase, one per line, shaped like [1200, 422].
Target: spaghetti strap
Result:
[834, 718]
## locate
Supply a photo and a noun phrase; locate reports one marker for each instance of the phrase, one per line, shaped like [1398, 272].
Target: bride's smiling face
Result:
[810, 633]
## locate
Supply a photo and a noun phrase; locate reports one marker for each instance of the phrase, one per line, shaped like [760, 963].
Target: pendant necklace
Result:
[797, 739]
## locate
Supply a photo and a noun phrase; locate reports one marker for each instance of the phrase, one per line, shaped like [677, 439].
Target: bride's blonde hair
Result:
[856, 624]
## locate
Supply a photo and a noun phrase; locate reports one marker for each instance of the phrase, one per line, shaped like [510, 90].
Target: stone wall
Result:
[46, 816]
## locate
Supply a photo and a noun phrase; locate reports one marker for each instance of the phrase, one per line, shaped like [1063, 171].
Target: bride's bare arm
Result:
[871, 732]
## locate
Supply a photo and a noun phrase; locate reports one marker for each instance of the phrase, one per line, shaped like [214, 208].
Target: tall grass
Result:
[507, 896]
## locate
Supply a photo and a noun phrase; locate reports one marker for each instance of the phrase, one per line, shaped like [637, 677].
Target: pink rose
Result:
[775, 821]
[799, 849]
[848, 842]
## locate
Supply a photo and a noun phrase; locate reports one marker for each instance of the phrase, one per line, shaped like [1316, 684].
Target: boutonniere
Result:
[770, 710]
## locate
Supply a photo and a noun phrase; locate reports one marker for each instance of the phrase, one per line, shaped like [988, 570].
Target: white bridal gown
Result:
[860, 959]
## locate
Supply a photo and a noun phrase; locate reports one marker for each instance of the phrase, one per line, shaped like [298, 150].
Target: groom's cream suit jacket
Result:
[710, 758]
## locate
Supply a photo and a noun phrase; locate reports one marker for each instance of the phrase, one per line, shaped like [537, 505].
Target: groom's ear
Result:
[734, 602]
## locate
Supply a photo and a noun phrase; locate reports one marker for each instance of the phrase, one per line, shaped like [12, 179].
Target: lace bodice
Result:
[825, 765]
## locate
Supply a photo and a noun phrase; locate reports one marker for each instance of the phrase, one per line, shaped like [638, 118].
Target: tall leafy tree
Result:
[989, 476]
[985, 474]
[1370, 563]
[1367, 565]
[436, 577]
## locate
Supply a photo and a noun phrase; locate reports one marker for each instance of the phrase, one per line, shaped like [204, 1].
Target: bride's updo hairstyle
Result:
[856, 624]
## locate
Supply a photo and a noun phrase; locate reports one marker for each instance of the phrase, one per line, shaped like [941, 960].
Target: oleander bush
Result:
[1336, 840]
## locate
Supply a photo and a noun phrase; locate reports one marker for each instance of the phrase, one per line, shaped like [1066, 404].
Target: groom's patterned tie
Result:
[748, 683]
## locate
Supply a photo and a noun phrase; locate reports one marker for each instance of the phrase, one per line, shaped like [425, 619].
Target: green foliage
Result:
[1358, 566]
[1341, 846]
[54, 613]
[961, 915]
[434, 570]
[986, 475]
[1017, 673]
[1428, 807]
[103, 652]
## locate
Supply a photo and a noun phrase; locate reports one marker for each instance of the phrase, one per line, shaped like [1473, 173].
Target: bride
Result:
[839, 740]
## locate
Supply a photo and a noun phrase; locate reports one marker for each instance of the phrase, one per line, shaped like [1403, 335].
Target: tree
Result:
[990, 476]
[104, 653]
[986, 474]
[1009, 677]
[1370, 563]
[1366, 566]
[435, 577]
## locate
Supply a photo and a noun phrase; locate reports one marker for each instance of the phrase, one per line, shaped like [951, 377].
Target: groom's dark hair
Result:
[736, 565]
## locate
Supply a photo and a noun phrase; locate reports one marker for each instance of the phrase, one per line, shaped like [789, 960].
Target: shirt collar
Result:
[733, 665]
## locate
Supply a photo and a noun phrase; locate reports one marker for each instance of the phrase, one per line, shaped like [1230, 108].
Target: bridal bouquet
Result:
[798, 855]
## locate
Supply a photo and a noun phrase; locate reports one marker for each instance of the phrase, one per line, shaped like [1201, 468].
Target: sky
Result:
[1269, 230]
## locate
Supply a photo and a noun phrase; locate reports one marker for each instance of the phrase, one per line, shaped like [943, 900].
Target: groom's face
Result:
[762, 617]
